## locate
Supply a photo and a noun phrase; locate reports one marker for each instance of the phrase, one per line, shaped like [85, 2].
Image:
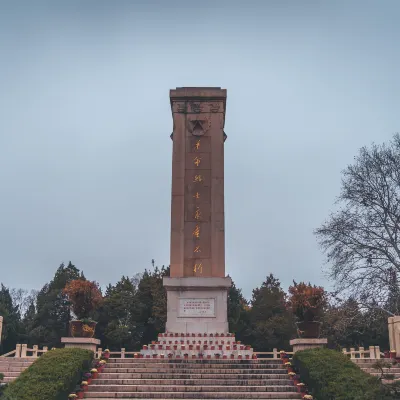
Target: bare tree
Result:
[23, 299]
[361, 240]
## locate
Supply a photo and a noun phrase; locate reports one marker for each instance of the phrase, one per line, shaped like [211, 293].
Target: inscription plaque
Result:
[196, 308]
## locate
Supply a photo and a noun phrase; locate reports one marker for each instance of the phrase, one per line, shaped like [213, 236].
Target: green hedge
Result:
[330, 375]
[51, 377]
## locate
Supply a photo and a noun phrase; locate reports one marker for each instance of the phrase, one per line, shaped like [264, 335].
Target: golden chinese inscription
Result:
[197, 249]
[198, 268]
[197, 213]
[198, 178]
[196, 232]
[197, 145]
[197, 195]
[197, 161]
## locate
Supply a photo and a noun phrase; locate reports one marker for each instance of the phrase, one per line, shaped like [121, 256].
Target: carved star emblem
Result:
[197, 127]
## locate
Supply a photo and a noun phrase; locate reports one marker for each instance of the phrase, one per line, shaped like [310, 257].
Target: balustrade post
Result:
[45, 349]
[35, 351]
[123, 353]
[372, 352]
[17, 351]
[275, 351]
[377, 352]
[99, 352]
[361, 349]
[23, 350]
[352, 352]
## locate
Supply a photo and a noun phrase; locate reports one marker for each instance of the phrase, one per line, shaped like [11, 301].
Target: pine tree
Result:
[11, 321]
[53, 311]
[272, 325]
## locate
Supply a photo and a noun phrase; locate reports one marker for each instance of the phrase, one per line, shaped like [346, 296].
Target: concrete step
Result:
[194, 365]
[146, 375]
[6, 369]
[194, 388]
[194, 382]
[196, 370]
[192, 395]
[203, 361]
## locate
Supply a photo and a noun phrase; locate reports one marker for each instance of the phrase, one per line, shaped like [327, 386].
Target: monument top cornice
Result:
[197, 93]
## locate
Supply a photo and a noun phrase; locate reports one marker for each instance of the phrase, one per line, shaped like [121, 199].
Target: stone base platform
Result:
[304, 344]
[193, 346]
[81, 343]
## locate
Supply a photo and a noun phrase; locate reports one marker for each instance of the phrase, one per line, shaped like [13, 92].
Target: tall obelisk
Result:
[197, 286]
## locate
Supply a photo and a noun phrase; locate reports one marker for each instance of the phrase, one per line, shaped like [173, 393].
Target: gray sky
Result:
[85, 153]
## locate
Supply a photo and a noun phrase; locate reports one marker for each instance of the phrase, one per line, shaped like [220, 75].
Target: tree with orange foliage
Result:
[306, 301]
[84, 296]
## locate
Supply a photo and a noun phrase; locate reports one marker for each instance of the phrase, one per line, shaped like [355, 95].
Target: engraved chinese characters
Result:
[197, 206]
[197, 308]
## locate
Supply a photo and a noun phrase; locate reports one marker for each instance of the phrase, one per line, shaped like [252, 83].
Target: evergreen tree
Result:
[11, 321]
[272, 325]
[238, 313]
[53, 311]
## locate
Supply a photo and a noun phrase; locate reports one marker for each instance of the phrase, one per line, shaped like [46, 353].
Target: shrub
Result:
[330, 375]
[84, 296]
[51, 377]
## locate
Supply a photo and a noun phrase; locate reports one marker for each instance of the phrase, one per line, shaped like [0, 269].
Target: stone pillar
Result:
[304, 344]
[197, 286]
[394, 334]
[1, 326]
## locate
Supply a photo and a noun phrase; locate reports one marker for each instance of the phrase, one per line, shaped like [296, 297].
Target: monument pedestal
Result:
[81, 343]
[197, 305]
[304, 344]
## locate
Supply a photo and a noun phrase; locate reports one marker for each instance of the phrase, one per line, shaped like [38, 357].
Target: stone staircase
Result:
[207, 346]
[131, 378]
[11, 367]
[366, 365]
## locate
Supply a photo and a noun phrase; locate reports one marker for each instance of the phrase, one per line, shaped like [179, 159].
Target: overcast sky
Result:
[85, 152]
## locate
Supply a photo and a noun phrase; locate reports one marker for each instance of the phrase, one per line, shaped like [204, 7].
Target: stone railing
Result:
[23, 351]
[130, 354]
[371, 353]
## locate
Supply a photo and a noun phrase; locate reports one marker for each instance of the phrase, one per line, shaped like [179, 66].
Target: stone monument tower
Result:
[197, 287]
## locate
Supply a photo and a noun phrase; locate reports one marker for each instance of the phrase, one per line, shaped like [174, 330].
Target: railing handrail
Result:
[123, 353]
[373, 352]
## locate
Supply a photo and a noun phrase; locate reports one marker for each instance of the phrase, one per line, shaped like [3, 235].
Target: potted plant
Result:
[307, 303]
[200, 355]
[169, 355]
[186, 355]
[94, 373]
[254, 356]
[84, 298]
[217, 355]
[84, 385]
[79, 392]
[72, 396]
[296, 379]
[155, 355]
[301, 387]
[232, 356]
[289, 367]
[247, 356]
[87, 377]
[106, 354]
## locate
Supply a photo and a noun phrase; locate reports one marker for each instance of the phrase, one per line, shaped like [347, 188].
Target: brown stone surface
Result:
[198, 182]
